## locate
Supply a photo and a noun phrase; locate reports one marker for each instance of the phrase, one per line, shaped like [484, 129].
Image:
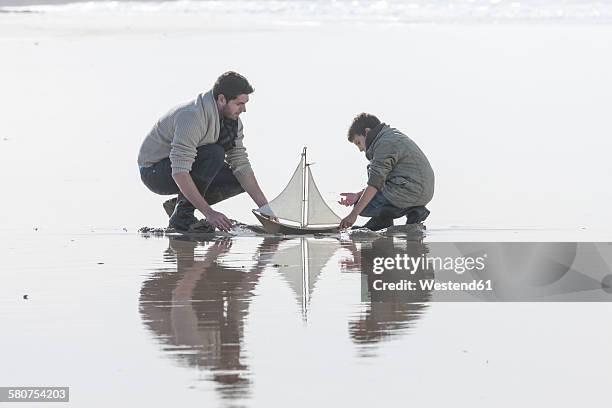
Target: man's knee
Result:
[224, 186]
[209, 160]
[217, 194]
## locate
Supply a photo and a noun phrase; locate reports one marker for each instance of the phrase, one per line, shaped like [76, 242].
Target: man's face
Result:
[233, 108]
[359, 141]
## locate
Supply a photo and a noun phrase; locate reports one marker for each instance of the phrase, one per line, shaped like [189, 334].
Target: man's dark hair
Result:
[231, 84]
[360, 123]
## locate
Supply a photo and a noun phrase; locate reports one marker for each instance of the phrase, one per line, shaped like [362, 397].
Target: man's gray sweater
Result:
[186, 127]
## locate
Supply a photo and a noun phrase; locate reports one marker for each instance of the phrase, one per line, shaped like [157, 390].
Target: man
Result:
[196, 150]
[400, 178]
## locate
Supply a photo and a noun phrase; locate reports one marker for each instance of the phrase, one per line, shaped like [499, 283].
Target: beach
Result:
[512, 115]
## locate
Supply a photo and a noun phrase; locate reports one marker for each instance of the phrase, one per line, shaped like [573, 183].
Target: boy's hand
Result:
[348, 221]
[349, 198]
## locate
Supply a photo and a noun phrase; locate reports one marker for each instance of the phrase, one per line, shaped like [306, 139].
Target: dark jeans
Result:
[381, 206]
[211, 175]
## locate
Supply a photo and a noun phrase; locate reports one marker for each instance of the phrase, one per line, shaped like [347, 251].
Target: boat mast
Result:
[305, 279]
[304, 193]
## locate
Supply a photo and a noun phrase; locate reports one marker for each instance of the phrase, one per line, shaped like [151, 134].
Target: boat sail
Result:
[299, 208]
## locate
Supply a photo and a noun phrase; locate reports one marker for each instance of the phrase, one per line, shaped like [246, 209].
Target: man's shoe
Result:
[182, 216]
[202, 226]
[182, 222]
[169, 206]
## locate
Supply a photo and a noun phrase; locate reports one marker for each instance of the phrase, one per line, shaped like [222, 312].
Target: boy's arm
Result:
[385, 157]
[364, 200]
[384, 160]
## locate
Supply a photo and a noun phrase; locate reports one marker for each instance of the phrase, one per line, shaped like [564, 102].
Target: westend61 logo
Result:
[404, 262]
[420, 266]
[417, 272]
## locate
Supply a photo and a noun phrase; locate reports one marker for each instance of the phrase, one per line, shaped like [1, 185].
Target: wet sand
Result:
[228, 321]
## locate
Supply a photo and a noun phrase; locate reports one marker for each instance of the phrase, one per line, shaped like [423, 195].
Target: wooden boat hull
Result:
[275, 227]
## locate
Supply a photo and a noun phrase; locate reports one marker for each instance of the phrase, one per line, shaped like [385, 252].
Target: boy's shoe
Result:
[378, 223]
[416, 215]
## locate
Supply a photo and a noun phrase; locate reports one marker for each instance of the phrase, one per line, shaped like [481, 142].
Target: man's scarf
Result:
[228, 132]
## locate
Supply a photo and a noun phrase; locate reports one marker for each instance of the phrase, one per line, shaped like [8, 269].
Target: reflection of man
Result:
[186, 152]
[202, 307]
[400, 178]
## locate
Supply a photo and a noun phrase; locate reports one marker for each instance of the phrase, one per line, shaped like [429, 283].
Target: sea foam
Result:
[390, 11]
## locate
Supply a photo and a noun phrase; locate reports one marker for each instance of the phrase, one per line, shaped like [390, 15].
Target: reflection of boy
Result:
[400, 178]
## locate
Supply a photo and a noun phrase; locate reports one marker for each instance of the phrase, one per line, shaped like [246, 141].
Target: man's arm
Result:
[251, 186]
[190, 191]
[238, 160]
[182, 155]
[364, 200]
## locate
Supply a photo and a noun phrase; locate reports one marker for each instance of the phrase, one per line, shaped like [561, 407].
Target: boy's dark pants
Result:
[382, 213]
[211, 175]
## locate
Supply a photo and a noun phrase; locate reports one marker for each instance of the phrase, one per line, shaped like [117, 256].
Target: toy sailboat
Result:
[299, 208]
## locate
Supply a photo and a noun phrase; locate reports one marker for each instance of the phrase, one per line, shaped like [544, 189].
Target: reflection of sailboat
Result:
[300, 208]
[301, 264]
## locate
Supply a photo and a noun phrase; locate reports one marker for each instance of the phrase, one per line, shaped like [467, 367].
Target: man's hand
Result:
[219, 220]
[348, 221]
[250, 185]
[349, 198]
[267, 211]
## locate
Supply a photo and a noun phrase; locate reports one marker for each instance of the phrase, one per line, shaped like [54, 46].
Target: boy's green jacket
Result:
[398, 167]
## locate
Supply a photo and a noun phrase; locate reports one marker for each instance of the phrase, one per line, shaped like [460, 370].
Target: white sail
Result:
[320, 252]
[288, 204]
[319, 212]
[290, 266]
[292, 205]
[301, 267]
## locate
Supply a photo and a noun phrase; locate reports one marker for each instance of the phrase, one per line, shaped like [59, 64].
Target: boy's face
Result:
[359, 141]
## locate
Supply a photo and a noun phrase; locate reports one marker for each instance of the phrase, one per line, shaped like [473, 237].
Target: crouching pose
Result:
[400, 178]
[196, 151]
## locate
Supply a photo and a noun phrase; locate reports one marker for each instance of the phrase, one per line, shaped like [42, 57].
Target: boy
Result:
[400, 178]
